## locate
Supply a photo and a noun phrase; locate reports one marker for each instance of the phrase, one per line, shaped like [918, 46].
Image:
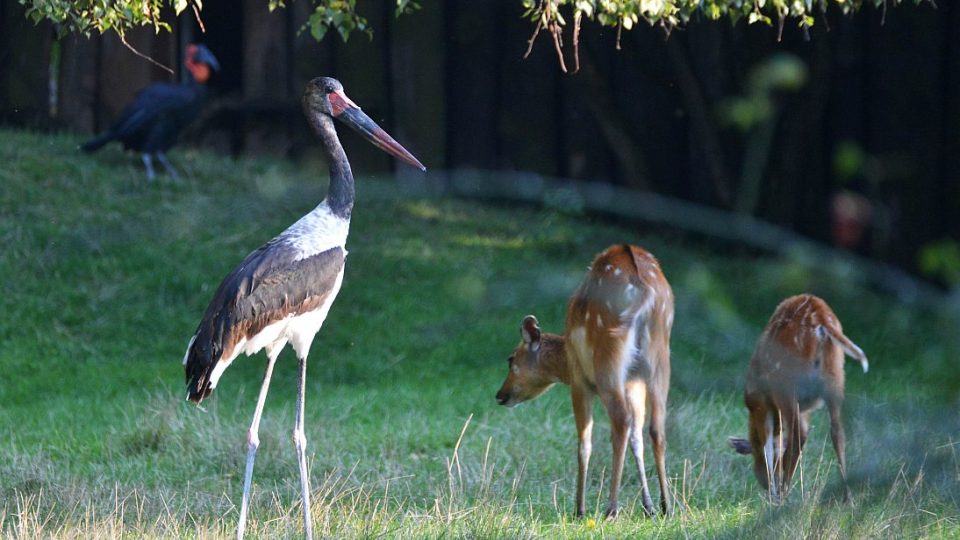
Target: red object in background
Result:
[850, 215]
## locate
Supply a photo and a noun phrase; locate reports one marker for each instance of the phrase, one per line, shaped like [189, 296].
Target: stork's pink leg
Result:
[300, 440]
[253, 440]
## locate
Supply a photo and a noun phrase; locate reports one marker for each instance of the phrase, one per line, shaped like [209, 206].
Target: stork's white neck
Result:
[318, 231]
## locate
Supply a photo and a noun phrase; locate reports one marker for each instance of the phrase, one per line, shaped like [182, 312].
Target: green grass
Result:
[106, 277]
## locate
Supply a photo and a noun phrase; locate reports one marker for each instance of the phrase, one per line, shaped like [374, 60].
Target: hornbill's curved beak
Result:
[345, 109]
[204, 55]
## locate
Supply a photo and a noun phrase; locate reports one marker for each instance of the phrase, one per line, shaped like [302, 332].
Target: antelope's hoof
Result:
[612, 511]
[648, 507]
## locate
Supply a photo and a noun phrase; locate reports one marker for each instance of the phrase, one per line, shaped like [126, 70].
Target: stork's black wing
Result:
[268, 286]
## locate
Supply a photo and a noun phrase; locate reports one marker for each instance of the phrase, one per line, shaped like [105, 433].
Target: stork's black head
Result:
[317, 97]
[324, 95]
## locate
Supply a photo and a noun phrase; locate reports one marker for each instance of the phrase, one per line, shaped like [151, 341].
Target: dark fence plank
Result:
[266, 78]
[24, 59]
[417, 80]
[78, 82]
[123, 73]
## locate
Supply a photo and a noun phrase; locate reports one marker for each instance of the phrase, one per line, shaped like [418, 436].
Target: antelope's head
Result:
[529, 376]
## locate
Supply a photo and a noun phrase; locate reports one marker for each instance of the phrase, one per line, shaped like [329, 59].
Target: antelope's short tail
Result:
[850, 348]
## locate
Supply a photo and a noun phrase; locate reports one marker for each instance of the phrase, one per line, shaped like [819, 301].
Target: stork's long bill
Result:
[346, 110]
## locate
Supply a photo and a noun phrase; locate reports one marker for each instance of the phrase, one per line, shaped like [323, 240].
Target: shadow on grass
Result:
[903, 476]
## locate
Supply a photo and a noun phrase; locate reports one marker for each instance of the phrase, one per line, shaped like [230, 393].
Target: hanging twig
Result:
[123, 39]
[576, 40]
[196, 14]
[536, 32]
[548, 20]
[667, 30]
[557, 33]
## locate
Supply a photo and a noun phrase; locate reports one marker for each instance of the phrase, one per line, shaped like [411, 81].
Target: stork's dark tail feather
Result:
[95, 143]
[198, 367]
[199, 389]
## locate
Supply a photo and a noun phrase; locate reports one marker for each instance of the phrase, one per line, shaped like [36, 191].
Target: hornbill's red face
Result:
[324, 95]
[199, 61]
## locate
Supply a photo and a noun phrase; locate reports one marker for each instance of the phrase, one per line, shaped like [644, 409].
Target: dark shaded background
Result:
[882, 100]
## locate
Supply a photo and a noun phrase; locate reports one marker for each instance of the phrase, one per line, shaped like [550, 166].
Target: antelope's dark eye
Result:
[510, 360]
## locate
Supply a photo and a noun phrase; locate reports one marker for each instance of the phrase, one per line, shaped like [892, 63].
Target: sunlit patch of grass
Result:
[432, 213]
[488, 242]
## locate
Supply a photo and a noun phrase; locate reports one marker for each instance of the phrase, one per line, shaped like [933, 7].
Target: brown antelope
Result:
[796, 367]
[616, 345]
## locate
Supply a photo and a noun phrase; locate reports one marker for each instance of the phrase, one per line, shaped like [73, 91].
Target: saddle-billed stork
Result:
[282, 291]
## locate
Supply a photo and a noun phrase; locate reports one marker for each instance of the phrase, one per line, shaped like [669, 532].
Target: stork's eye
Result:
[328, 88]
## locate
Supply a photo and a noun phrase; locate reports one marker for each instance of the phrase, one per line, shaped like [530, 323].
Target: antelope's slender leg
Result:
[658, 437]
[583, 415]
[620, 422]
[637, 400]
[839, 439]
[790, 430]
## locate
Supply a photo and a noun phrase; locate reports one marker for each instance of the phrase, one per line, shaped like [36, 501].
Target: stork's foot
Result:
[148, 164]
[167, 166]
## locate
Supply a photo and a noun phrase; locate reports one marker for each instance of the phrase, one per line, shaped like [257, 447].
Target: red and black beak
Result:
[345, 109]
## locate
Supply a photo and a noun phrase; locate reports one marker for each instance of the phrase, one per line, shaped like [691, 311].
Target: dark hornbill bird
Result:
[151, 122]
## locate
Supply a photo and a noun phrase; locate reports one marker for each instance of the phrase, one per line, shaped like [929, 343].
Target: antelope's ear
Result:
[530, 330]
[821, 332]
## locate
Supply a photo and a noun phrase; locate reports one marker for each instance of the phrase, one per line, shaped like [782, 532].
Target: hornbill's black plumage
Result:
[151, 122]
[281, 292]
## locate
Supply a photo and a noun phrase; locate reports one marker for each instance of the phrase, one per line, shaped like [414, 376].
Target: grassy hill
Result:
[105, 278]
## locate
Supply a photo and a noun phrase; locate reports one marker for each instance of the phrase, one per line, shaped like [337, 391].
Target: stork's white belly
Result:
[298, 330]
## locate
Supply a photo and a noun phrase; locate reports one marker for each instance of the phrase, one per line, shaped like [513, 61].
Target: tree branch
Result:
[123, 39]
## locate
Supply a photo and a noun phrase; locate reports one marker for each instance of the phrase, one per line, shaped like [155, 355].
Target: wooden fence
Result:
[450, 82]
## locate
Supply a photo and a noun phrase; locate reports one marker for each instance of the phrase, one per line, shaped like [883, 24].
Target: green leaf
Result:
[121, 15]
[318, 31]
[941, 260]
[848, 160]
